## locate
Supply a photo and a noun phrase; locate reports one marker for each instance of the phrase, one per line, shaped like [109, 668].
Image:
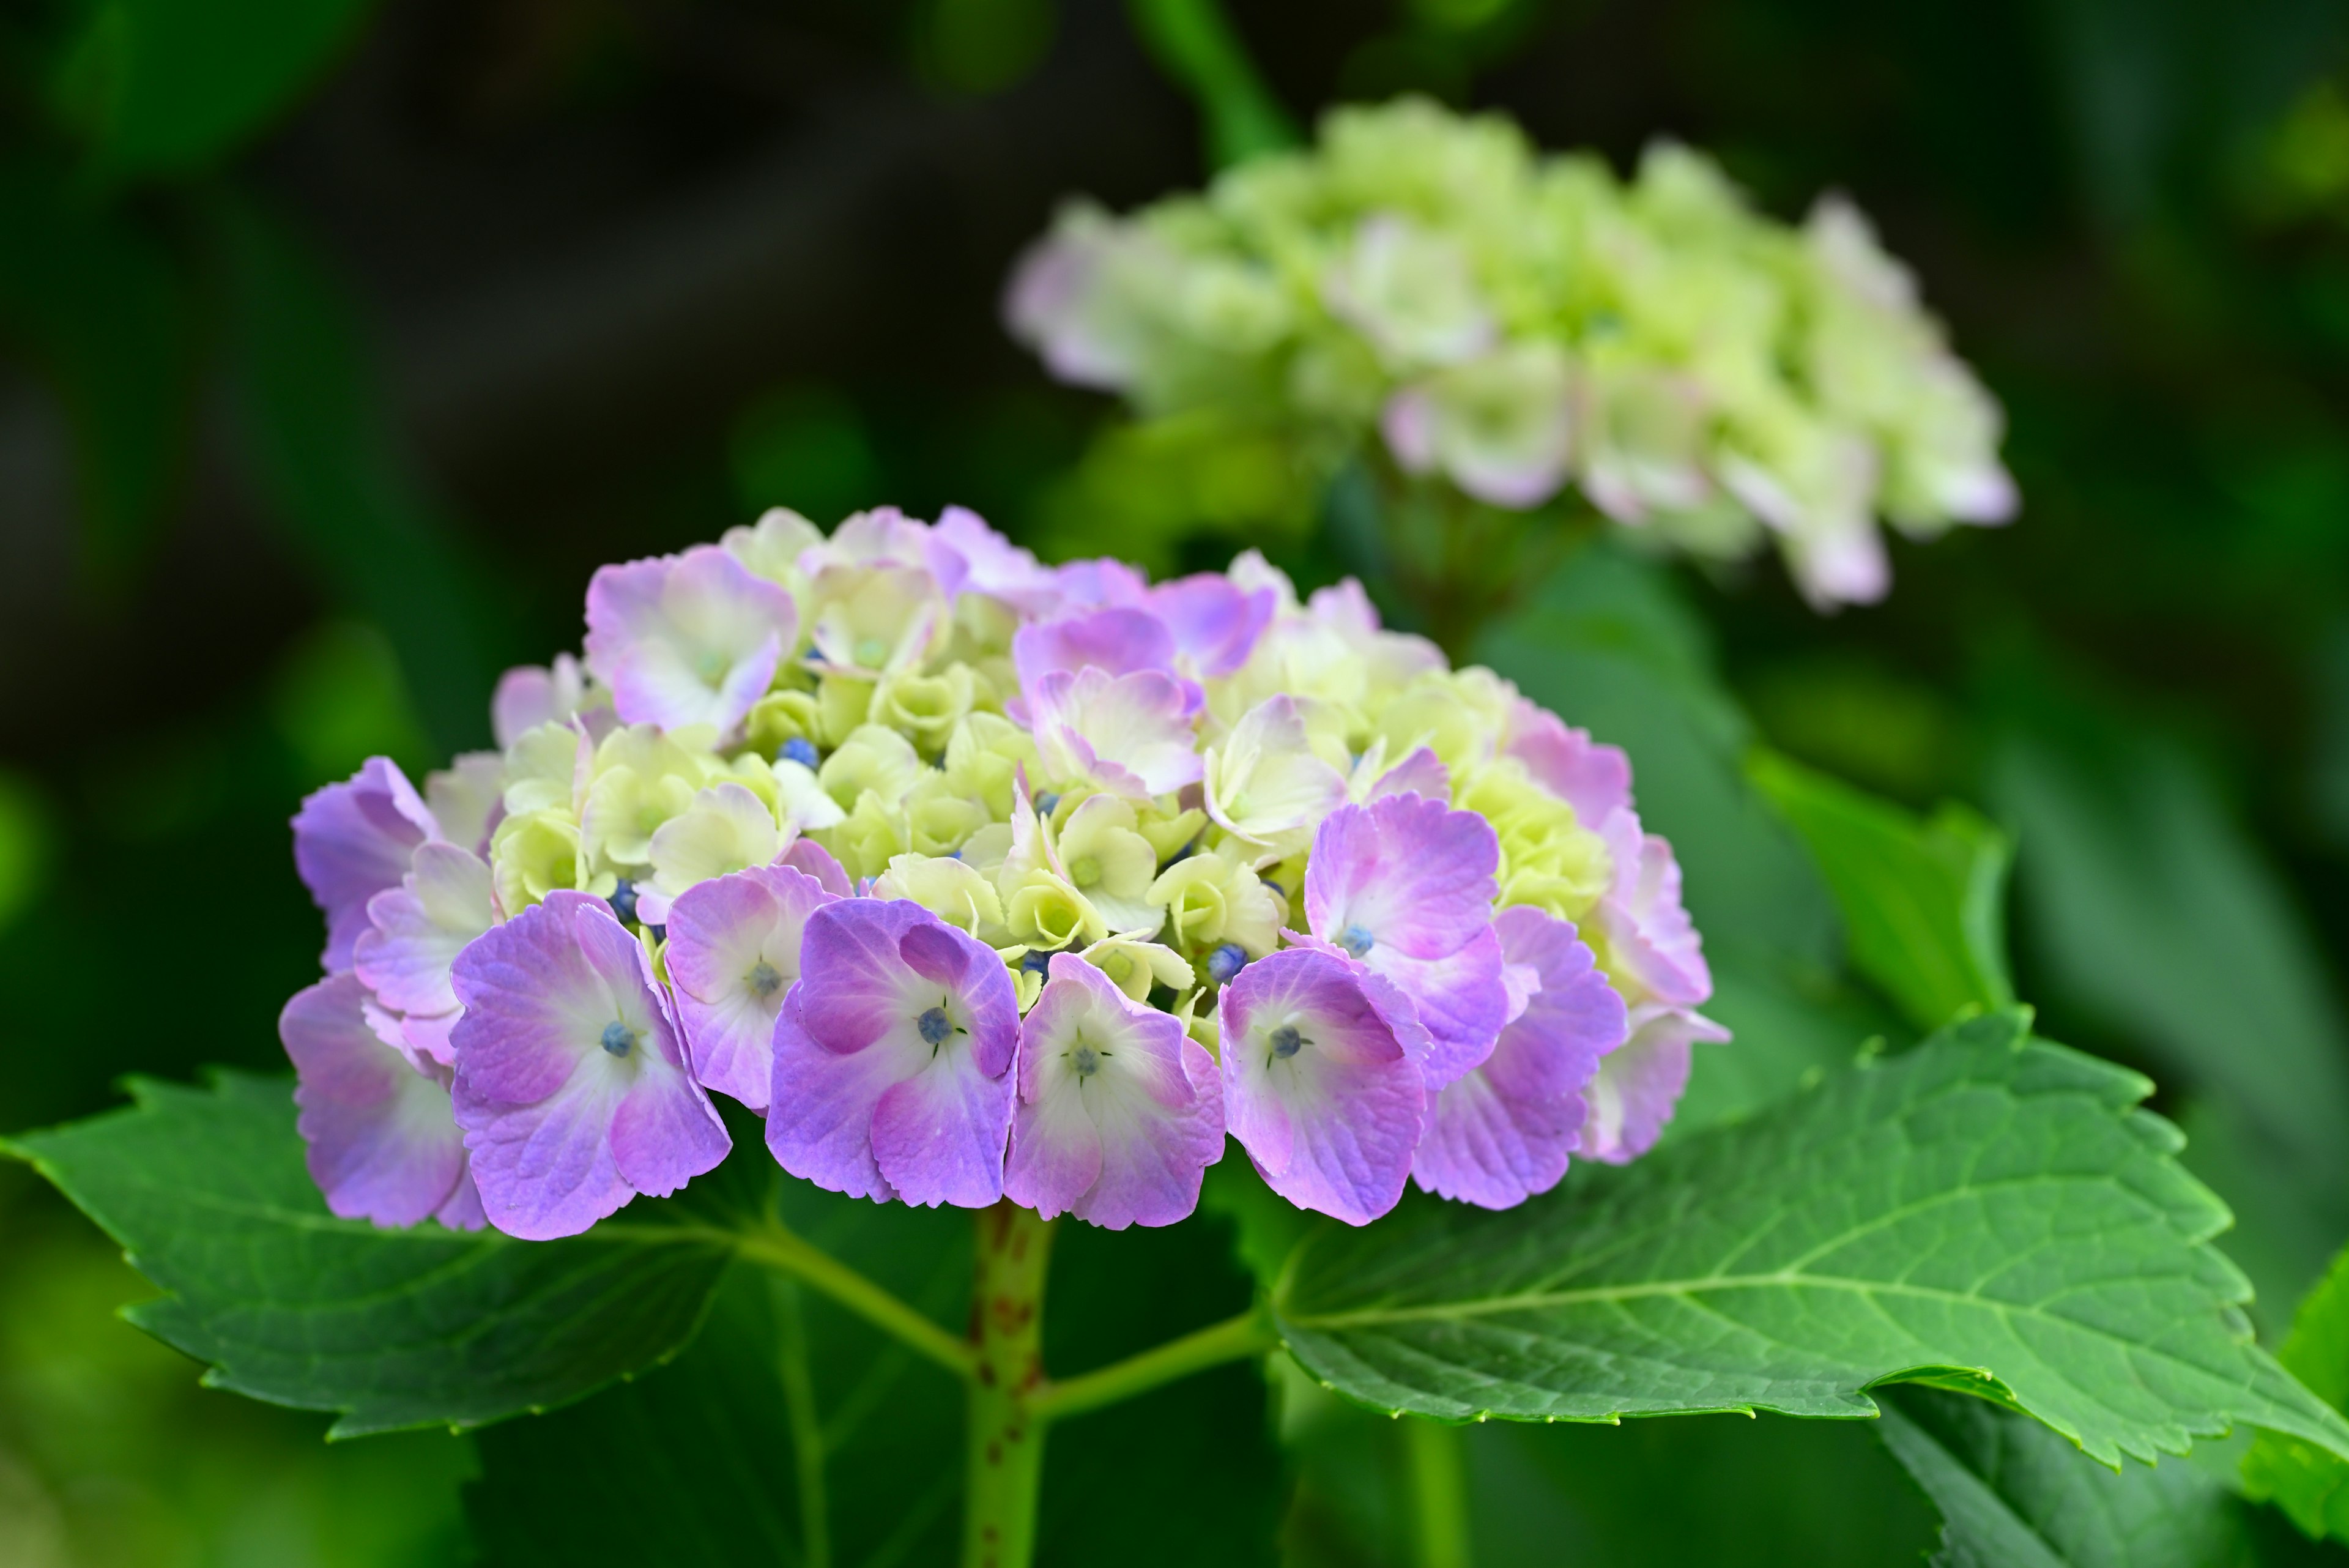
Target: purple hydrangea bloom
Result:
[1119, 1112]
[805, 854]
[383, 1145]
[1104, 580]
[733, 956]
[1130, 733]
[529, 695]
[1214, 622]
[1640, 1083]
[994, 566]
[415, 933]
[1651, 939]
[1504, 1130]
[1322, 1081]
[571, 1084]
[1594, 778]
[892, 1058]
[351, 841]
[687, 639]
[1120, 640]
[1405, 885]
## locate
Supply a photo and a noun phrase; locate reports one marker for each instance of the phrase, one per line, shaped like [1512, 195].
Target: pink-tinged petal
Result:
[1640, 1083]
[1461, 1001]
[529, 695]
[1505, 1131]
[382, 1144]
[1120, 1112]
[733, 956]
[1650, 941]
[1405, 872]
[1317, 1086]
[418, 929]
[1214, 623]
[1132, 733]
[1120, 640]
[926, 1018]
[806, 856]
[463, 1212]
[994, 566]
[425, 1037]
[1594, 778]
[1421, 773]
[687, 639]
[570, 1080]
[1086, 584]
[351, 841]
[819, 1109]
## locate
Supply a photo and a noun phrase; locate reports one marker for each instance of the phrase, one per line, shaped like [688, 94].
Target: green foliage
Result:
[2307, 1482]
[2014, 1494]
[206, 1191]
[1989, 1211]
[168, 86]
[1921, 900]
[1194, 42]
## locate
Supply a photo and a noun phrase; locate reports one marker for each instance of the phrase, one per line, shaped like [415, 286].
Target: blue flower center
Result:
[1087, 1060]
[1356, 941]
[1287, 1042]
[619, 1038]
[1046, 802]
[624, 899]
[935, 1026]
[1036, 960]
[1225, 963]
[763, 980]
[800, 749]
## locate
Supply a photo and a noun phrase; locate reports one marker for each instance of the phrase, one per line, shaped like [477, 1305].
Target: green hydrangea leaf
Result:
[2013, 1494]
[2306, 1480]
[1922, 899]
[206, 1191]
[1989, 1210]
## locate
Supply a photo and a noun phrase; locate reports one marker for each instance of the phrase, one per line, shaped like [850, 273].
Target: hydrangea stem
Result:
[1006, 1454]
[1439, 1487]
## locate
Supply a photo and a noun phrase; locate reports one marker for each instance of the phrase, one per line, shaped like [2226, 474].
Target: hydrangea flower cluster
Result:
[1518, 323]
[978, 879]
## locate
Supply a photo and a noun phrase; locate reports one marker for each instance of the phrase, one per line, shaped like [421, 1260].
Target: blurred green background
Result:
[339, 341]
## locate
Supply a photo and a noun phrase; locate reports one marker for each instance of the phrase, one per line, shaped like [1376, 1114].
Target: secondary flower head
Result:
[571, 1084]
[981, 878]
[1512, 326]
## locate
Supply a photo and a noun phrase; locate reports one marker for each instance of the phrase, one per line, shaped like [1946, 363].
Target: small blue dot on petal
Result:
[619, 1038]
[935, 1026]
[1356, 941]
[800, 749]
[1227, 962]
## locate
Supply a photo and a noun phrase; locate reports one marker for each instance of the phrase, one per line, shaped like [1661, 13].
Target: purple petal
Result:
[994, 566]
[351, 841]
[1331, 1125]
[1119, 1112]
[687, 639]
[570, 1080]
[733, 956]
[383, 1145]
[1594, 780]
[1214, 622]
[1132, 733]
[1086, 584]
[418, 929]
[1504, 1131]
[1461, 1001]
[1650, 941]
[1120, 640]
[1421, 773]
[922, 1024]
[529, 695]
[1406, 871]
[1640, 1083]
[805, 854]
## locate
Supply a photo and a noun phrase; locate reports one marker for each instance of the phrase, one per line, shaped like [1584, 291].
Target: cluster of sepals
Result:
[979, 879]
[1516, 324]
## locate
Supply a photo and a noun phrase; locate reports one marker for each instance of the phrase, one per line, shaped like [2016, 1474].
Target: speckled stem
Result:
[1006, 1440]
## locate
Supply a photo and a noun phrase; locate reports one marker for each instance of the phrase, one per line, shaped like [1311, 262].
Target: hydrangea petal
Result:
[1215, 622]
[1640, 1083]
[1651, 941]
[1266, 783]
[418, 929]
[572, 1084]
[1119, 1112]
[381, 1142]
[1131, 733]
[351, 841]
[1318, 1086]
[687, 639]
[733, 956]
[1505, 1130]
[931, 1014]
